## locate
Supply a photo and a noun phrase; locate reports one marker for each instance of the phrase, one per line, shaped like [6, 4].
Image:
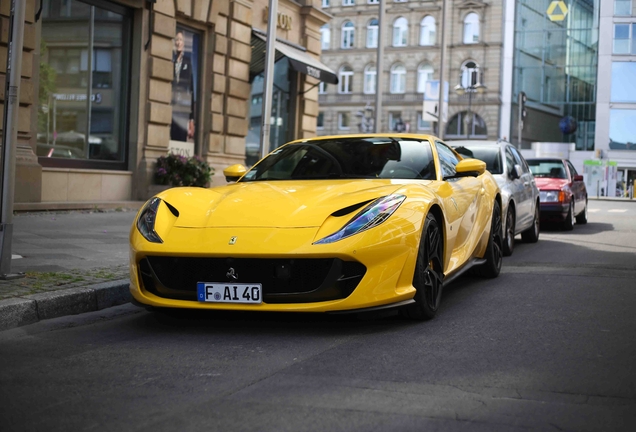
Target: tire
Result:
[494, 251]
[509, 240]
[568, 223]
[428, 278]
[581, 218]
[531, 235]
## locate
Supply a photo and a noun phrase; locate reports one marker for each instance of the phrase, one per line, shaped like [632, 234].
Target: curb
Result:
[30, 309]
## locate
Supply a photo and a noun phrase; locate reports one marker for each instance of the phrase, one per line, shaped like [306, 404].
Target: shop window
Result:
[623, 84]
[427, 31]
[622, 7]
[396, 124]
[345, 81]
[370, 76]
[83, 106]
[471, 28]
[348, 35]
[325, 37]
[344, 121]
[398, 78]
[423, 125]
[624, 39]
[622, 129]
[400, 32]
[424, 74]
[372, 34]
[466, 125]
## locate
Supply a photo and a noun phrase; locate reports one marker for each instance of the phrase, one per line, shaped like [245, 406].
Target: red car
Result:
[561, 191]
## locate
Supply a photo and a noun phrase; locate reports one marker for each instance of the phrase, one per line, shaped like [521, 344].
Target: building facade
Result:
[109, 86]
[412, 56]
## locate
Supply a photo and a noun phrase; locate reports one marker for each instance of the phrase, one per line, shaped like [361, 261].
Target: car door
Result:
[578, 189]
[464, 197]
[525, 205]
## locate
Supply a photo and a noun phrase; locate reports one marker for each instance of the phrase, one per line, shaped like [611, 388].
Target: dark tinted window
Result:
[547, 168]
[347, 158]
[491, 155]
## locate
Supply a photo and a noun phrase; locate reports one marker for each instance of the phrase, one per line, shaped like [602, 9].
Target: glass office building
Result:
[555, 65]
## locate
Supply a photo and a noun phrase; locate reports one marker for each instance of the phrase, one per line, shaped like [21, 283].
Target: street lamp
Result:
[474, 88]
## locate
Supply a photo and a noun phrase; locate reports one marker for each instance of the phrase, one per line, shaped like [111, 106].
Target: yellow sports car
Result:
[330, 224]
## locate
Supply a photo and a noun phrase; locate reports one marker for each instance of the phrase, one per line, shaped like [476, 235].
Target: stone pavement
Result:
[73, 261]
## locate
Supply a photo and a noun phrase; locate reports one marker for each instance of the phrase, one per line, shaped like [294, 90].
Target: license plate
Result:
[223, 292]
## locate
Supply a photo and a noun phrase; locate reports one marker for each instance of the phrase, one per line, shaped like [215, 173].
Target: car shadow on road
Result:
[588, 228]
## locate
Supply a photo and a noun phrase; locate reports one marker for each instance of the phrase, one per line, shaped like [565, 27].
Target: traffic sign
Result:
[557, 11]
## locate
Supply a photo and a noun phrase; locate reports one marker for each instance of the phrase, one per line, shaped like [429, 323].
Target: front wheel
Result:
[494, 255]
[429, 275]
[509, 241]
[568, 223]
[581, 218]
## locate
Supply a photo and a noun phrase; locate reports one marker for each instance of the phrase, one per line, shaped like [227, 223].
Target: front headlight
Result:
[372, 215]
[146, 221]
[552, 196]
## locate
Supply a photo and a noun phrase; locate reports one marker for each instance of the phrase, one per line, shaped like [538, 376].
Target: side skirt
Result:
[464, 269]
[374, 308]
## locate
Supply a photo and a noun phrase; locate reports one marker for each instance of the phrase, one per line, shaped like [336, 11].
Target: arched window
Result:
[369, 79]
[372, 34]
[348, 35]
[424, 74]
[325, 36]
[471, 28]
[427, 31]
[345, 81]
[470, 75]
[466, 124]
[400, 32]
[398, 78]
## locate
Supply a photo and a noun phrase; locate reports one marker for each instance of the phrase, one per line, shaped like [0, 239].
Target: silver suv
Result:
[519, 193]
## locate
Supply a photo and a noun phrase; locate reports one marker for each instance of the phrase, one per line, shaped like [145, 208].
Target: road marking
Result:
[593, 210]
[617, 210]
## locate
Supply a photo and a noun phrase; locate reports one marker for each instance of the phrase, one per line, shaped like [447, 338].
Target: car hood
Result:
[545, 183]
[280, 204]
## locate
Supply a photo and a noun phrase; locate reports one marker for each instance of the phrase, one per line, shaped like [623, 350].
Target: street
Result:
[548, 345]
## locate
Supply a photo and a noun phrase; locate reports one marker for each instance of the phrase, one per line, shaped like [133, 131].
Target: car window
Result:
[510, 160]
[489, 154]
[347, 158]
[572, 169]
[520, 160]
[547, 168]
[447, 159]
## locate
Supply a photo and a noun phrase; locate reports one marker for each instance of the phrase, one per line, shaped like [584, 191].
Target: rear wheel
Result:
[568, 223]
[429, 276]
[531, 235]
[581, 218]
[494, 255]
[509, 241]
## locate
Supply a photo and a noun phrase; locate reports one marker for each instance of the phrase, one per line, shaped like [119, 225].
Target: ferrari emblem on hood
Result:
[231, 274]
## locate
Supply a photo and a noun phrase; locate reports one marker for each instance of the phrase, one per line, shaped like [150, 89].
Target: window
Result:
[623, 82]
[471, 28]
[466, 125]
[325, 37]
[322, 87]
[348, 2]
[345, 82]
[348, 35]
[622, 7]
[400, 32]
[344, 121]
[622, 130]
[369, 79]
[624, 36]
[396, 124]
[424, 74]
[447, 159]
[373, 1]
[320, 121]
[325, 3]
[83, 122]
[422, 125]
[398, 78]
[372, 34]
[427, 31]
[470, 75]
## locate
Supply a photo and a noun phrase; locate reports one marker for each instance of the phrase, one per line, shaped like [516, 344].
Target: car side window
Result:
[520, 160]
[447, 159]
[572, 169]
[510, 160]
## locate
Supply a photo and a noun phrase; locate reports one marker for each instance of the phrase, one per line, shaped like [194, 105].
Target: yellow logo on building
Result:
[557, 11]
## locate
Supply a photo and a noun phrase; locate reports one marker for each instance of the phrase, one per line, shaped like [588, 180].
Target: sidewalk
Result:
[74, 262]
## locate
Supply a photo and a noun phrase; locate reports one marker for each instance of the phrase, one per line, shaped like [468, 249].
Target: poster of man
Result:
[184, 85]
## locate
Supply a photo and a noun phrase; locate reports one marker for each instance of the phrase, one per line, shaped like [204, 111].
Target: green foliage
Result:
[177, 170]
[47, 87]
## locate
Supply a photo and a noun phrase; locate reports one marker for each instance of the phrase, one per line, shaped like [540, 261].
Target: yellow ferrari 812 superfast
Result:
[330, 224]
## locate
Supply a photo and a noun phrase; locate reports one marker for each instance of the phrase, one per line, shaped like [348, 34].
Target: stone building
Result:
[109, 86]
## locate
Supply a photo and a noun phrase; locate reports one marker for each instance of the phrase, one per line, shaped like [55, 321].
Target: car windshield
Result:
[547, 168]
[347, 158]
[491, 155]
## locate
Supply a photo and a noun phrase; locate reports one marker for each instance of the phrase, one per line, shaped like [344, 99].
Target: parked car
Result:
[328, 224]
[519, 193]
[562, 191]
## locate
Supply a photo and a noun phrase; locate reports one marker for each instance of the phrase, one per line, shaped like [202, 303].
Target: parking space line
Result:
[617, 210]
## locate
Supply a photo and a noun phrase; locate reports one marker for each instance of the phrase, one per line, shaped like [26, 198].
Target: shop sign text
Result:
[283, 21]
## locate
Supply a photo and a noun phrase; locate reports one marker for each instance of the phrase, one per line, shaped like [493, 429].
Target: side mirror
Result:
[470, 167]
[578, 178]
[234, 172]
[516, 172]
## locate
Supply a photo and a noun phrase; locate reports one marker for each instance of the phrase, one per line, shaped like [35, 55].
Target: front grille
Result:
[303, 280]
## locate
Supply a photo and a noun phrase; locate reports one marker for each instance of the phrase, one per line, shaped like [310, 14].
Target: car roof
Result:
[378, 135]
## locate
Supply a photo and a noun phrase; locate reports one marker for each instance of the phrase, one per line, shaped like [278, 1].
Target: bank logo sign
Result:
[557, 11]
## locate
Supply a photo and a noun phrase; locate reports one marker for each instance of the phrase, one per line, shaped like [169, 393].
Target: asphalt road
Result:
[549, 345]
